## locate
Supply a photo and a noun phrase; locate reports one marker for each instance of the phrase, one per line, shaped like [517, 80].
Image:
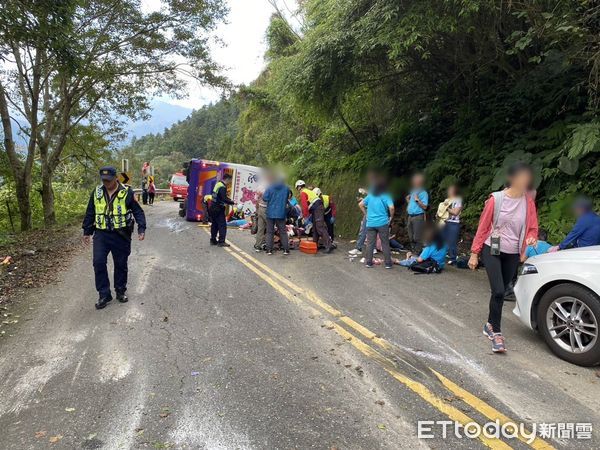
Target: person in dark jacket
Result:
[109, 217]
[586, 231]
[219, 202]
[320, 232]
[276, 197]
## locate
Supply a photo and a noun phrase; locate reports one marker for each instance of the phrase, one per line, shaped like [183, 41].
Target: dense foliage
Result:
[457, 88]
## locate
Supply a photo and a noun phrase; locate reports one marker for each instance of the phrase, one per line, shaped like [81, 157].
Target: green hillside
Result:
[458, 88]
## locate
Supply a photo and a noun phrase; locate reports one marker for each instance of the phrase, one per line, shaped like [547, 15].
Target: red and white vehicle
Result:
[178, 186]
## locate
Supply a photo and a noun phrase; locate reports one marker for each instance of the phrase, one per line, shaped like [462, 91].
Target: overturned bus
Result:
[203, 174]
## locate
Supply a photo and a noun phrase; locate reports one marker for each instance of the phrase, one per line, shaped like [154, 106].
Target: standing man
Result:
[110, 216]
[418, 201]
[218, 222]
[318, 212]
[276, 197]
[261, 222]
[330, 214]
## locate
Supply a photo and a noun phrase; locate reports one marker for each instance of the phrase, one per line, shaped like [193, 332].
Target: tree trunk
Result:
[48, 197]
[23, 198]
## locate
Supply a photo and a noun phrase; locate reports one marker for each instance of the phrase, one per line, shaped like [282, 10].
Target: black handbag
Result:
[428, 266]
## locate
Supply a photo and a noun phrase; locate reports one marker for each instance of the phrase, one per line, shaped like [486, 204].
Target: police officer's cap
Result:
[108, 173]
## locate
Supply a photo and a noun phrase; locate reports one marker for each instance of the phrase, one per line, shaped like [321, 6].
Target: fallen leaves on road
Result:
[55, 439]
[380, 402]
[382, 426]
[165, 412]
[40, 434]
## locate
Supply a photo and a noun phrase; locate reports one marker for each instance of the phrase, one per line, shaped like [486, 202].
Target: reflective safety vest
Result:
[215, 192]
[118, 216]
[325, 201]
[207, 198]
[310, 194]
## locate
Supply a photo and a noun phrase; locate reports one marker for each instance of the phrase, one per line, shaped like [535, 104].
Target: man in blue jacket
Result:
[276, 197]
[586, 231]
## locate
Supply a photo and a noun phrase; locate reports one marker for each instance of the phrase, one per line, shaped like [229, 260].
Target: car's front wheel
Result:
[568, 317]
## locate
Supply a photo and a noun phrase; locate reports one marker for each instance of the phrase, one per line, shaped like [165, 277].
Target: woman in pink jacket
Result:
[508, 224]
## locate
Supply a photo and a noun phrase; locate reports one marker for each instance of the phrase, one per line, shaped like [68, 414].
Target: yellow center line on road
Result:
[487, 410]
[476, 403]
[422, 391]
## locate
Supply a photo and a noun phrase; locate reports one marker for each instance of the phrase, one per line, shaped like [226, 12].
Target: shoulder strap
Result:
[498, 199]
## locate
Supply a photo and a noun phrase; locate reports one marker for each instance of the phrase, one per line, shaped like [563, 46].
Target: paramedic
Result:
[307, 197]
[110, 216]
[318, 211]
[219, 202]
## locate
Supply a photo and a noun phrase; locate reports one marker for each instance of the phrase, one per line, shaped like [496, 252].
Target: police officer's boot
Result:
[102, 302]
[122, 297]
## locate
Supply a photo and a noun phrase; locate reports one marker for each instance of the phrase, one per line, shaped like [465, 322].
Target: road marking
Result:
[487, 410]
[476, 403]
[418, 388]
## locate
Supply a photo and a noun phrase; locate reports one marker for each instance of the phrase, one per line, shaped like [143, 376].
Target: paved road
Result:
[226, 349]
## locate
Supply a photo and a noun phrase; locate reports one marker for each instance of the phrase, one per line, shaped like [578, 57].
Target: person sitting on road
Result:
[378, 207]
[541, 247]
[586, 231]
[320, 233]
[434, 252]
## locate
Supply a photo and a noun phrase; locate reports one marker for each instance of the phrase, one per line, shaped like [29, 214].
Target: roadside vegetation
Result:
[457, 88]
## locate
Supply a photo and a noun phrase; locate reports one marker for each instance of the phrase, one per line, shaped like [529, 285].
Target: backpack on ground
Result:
[428, 266]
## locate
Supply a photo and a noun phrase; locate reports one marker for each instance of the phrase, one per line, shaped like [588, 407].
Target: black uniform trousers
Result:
[218, 223]
[106, 242]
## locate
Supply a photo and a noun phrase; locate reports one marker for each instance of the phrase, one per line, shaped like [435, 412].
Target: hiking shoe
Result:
[102, 302]
[213, 242]
[355, 252]
[122, 298]
[286, 252]
[223, 244]
[488, 331]
[498, 343]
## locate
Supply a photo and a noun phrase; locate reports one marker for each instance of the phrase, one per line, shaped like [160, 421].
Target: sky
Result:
[243, 52]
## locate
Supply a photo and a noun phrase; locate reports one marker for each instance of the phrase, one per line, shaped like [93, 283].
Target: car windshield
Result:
[179, 180]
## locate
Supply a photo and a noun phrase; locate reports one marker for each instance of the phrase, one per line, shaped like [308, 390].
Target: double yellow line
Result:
[317, 306]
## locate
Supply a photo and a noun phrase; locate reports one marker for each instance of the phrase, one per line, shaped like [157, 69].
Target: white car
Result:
[558, 294]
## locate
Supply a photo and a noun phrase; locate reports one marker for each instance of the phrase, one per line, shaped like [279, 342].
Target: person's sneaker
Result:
[375, 252]
[369, 266]
[102, 302]
[451, 262]
[223, 244]
[355, 252]
[498, 343]
[329, 250]
[257, 249]
[286, 252]
[488, 331]
[213, 242]
[122, 297]
[269, 252]
[389, 267]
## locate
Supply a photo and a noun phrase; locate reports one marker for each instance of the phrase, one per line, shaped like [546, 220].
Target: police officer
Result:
[218, 222]
[110, 218]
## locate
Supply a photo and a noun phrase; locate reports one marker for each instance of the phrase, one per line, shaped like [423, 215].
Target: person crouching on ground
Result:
[378, 207]
[276, 197]
[320, 232]
[433, 254]
[218, 222]
[508, 224]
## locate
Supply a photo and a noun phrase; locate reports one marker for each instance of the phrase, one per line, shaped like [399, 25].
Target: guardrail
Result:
[157, 192]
